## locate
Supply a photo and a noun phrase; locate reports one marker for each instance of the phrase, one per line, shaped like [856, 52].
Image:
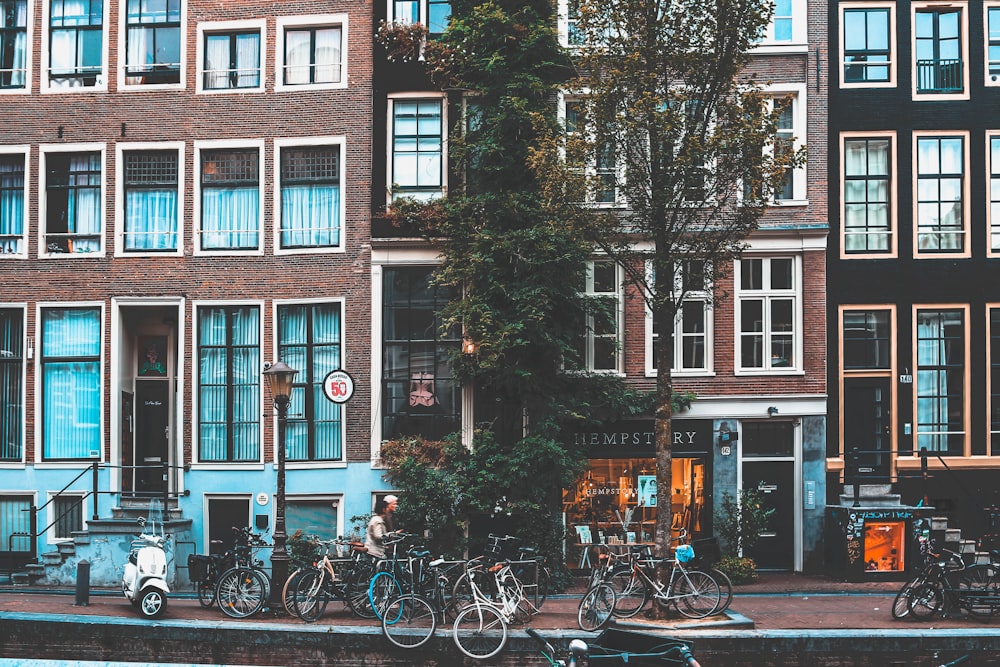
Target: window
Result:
[67, 516]
[939, 50]
[994, 380]
[689, 339]
[992, 45]
[151, 201]
[230, 199]
[432, 13]
[73, 206]
[229, 384]
[941, 196]
[76, 45]
[868, 192]
[790, 131]
[767, 312]
[600, 345]
[15, 521]
[310, 197]
[311, 54]
[309, 339]
[13, 43]
[868, 45]
[71, 383]
[417, 148]
[787, 27]
[12, 212]
[232, 60]
[940, 379]
[994, 189]
[153, 42]
[867, 338]
[419, 394]
[11, 384]
[600, 167]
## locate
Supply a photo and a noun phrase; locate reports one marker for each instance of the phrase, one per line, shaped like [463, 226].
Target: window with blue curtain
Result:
[73, 215]
[151, 196]
[310, 197]
[153, 39]
[229, 377]
[230, 199]
[309, 341]
[12, 204]
[76, 49]
[11, 383]
[13, 43]
[71, 383]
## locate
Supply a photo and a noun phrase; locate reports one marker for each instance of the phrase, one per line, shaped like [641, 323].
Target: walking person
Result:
[380, 525]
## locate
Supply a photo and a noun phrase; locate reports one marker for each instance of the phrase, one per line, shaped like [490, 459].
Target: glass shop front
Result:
[615, 501]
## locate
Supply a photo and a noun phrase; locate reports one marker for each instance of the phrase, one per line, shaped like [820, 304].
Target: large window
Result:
[153, 39]
[151, 201]
[690, 338]
[417, 148]
[232, 60]
[768, 313]
[992, 45]
[310, 197]
[420, 396]
[867, 339]
[941, 195]
[309, 340]
[13, 43]
[600, 167]
[432, 13]
[994, 194]
[312, 54]
[939, 50]
[11, 384]
[940, 379]
[868, 195]
[12, 211]
[230, 199]
[76, 43]
[71, 383]
[73, 207]
[600, 344]
[868, 45]
[787, 27]
[229, 384]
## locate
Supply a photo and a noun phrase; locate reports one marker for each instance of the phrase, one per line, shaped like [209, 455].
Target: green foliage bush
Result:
[739, 570]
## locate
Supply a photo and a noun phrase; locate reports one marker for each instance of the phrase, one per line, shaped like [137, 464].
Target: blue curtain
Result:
[230, 218]
[310, 216]
[84, 206]
[151, 220]
[11, 203]
[71, 392]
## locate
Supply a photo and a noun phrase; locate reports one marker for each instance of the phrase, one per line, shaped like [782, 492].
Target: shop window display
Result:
[884, 543]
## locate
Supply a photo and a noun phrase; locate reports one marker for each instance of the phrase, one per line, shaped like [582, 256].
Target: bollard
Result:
[82, 583]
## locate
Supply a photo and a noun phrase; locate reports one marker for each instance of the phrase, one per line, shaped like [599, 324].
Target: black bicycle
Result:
[664, 651]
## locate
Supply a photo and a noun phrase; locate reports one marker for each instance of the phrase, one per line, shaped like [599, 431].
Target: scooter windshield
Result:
[154, 520]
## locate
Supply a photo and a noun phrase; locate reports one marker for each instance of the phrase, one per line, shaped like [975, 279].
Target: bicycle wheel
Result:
[480, 631]
[901, 605]
[926, 600]
[461, 593]
[206, 593]
[596, 608]
[725, 589]
[630, 593]
[695, 594]
[310, 596]
[381, 590]
[242, 592]
[356, 593]
[409, 621]
[543, 586]
[977, 590]
[288, 592]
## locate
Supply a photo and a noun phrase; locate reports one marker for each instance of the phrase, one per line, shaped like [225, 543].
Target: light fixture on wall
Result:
[772, 410]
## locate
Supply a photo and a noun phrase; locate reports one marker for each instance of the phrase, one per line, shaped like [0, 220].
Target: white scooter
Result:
[144, 581]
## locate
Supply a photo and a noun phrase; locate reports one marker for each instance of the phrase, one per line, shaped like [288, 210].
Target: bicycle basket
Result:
[684, 553]
[198, 567]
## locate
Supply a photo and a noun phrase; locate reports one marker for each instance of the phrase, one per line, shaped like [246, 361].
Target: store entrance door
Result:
[867, 425]
[776, 479]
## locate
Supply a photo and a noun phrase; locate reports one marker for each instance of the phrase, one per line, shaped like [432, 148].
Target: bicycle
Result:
[204, 572]
[667, 652]
[329, 579]
[948, 583]
[245, 588]
[480, 630]
[527, 564]
[394, 576]
[693, 593]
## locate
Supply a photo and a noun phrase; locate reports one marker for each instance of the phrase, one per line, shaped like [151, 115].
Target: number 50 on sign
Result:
[338, 386]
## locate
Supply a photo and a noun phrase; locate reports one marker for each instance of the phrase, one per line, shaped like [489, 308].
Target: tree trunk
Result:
[664, 318]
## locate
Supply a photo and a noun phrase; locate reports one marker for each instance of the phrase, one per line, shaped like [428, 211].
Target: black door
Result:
[152, 435]
[776, 479]
[867, 427]
[224, 514]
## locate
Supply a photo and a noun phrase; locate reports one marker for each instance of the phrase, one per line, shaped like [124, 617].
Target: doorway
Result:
[867, 426]
[152, 436]
[224, 514]
[775, 550]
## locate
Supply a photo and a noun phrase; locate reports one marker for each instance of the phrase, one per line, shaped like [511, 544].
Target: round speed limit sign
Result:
[338, 386]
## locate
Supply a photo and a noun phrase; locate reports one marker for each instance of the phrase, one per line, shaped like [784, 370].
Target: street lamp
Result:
[280, 377]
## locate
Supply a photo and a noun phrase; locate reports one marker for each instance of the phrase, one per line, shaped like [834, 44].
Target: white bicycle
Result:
[480, 630]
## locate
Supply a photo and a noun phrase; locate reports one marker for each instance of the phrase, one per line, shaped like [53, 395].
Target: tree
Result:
[670, 120]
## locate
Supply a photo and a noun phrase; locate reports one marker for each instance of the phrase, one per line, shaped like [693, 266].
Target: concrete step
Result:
[52, 558]
[67, 548]
[954, 536]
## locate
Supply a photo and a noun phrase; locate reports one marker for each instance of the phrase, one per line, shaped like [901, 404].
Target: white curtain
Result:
[229, 218]
[151, 220]
[248, 61]
[301, 61]
[15, 75]
[216, 61]
[84, 214]
[310, 216]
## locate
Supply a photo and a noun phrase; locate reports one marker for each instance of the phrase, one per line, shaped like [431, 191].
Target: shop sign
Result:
[639, 434]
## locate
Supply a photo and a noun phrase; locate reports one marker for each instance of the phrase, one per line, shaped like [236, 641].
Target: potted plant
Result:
[403, 42]
[739, 523]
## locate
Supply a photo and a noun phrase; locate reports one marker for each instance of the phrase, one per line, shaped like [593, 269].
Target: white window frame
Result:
[123, 53]
[890, 136]
[619, 298]
[27, 356]
[25, 152]
[29, 56]
[678, 369]
[281, 144]
[799, 132]
[223, 27]
[423, 13]
[967, 239]
[993, 80]
[285, 23]
[992, 171]
[931, 5]
[893, 48]
[45, 150]
[767, 295]
[120, 150]
[590, 169]
[799, 43]
[197, 231]
[390, 149]
[46, 57]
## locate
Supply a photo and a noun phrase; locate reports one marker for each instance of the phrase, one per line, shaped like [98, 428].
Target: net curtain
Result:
[71, 391]
[11, 204]
[15, 75]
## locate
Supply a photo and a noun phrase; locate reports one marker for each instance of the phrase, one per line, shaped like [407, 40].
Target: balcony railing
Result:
[939, 76]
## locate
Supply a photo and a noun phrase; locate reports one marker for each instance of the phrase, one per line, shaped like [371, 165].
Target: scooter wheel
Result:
[152, 602]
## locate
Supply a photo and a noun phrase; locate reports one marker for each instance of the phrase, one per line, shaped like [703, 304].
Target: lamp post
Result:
[279, 379]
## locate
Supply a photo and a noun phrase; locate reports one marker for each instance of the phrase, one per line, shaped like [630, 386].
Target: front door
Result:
[152, 436]
[867, 426]
[775, 550]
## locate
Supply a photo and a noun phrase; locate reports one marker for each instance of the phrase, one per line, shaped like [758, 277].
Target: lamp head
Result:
[280, 377]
